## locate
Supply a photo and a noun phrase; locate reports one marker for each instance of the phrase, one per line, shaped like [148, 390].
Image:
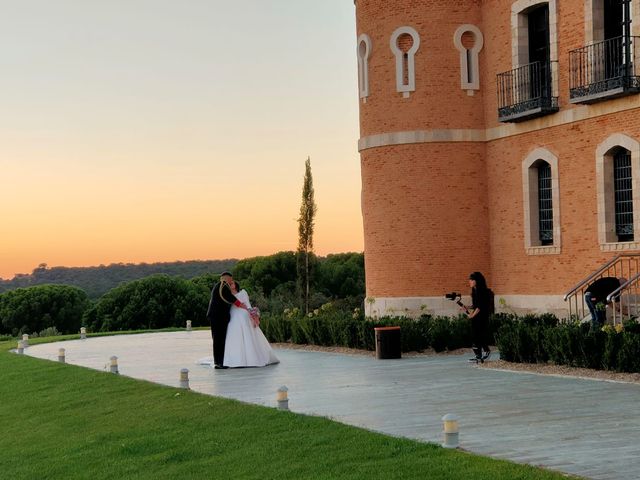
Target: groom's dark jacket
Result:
[220, 303]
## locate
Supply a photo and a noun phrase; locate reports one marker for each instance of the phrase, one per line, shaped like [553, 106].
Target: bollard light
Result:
[25, 340]
[188, 325]
[451, 431]
[61, 358]
[20, 347]
[83, 333]
[114, 364]
[283, 398]
[184, 378]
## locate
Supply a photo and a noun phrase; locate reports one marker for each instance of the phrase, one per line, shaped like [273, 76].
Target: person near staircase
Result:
[596, 298]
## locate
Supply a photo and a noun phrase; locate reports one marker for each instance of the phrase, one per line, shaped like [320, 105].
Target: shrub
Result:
[539, 339]
[523, 340]
[628, 359]
[32, 309]
[328, 326]
[47, 332]
[158, 301]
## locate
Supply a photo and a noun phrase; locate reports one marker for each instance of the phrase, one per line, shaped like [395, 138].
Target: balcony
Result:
[604, 70]
[525, 93]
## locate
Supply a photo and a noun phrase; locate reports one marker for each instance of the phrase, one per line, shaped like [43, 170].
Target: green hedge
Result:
[328, 327]
[542, 339]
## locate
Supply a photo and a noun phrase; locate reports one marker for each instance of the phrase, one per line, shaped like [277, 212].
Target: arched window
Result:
[541, 196]
[623, 194]
[617, 170]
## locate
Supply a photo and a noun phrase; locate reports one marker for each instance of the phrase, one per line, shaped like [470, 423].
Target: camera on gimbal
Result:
[456, 297]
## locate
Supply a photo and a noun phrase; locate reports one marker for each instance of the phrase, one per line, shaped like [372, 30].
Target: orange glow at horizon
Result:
[140, 136]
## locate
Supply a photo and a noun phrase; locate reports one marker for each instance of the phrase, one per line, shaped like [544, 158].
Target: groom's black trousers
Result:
[219, 333]
[218, 314]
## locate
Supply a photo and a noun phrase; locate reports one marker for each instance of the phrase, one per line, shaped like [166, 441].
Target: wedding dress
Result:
[246, 345]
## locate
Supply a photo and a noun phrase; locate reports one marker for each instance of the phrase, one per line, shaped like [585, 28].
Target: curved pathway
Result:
[585, 427]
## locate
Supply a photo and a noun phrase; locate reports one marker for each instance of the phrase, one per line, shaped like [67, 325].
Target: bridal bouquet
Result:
[254, 313]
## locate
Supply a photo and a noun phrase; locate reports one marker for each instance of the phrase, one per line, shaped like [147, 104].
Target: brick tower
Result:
[424, 181]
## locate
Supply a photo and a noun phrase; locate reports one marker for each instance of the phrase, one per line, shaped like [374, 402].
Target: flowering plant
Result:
[254, 313]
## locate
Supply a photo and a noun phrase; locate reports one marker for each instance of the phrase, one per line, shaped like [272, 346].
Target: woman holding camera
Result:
[481, 308]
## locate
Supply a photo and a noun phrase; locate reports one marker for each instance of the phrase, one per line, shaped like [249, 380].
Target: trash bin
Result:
[387, 342]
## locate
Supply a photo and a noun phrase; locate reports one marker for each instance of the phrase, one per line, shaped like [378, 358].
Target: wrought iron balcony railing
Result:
[525, 93]
[604, 70]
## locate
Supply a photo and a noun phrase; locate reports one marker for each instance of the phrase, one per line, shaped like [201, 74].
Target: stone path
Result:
[585, 427]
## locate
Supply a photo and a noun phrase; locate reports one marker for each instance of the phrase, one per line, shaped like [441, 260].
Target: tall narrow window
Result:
[623, 195]
[545, 204]
[617, 176]
[530, 89]
[539, 65]
[404, 43]
[541, 195]
[469, 41]
[363, 51]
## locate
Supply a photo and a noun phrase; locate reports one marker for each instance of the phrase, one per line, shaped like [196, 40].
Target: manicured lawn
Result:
[66, 422]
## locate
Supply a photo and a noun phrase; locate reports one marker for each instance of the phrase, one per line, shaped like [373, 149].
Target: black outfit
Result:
[218, 314]
[480, 323]
[597, 293]
[602, 287]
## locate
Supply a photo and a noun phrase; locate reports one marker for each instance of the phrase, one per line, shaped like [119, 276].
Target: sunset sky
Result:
[162, 130]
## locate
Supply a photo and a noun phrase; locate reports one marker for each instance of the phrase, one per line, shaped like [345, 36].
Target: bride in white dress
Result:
[246, 345]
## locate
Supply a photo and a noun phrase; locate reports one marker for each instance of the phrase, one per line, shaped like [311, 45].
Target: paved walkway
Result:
[585, 427]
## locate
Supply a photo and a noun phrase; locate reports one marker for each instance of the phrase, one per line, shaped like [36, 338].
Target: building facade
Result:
[496, 136]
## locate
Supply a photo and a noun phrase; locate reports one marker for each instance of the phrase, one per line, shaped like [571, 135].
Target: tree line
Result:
[96, 281]
[162, 300]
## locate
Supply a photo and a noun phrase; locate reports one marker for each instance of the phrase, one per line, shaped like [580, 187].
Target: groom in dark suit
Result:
[218, 314]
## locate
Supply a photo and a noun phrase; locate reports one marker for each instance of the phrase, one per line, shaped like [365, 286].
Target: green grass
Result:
[67, 422]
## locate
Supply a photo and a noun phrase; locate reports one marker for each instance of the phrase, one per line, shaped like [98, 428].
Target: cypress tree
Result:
[305, 237]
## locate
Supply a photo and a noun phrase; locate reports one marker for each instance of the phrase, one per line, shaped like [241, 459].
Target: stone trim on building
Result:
[439, 306]
[564, 117]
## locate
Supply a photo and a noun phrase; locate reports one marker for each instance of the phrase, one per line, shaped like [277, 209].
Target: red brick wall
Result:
[575, 144]
[438, 101]
[425, 217]
[433, 212]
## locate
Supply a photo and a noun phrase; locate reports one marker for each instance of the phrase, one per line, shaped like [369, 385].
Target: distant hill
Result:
[98, 280]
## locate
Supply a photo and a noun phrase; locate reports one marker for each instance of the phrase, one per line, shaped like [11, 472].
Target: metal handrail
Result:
[618, 291]
[603, 67]
[588, 279]
[614, 296]
[623, 265]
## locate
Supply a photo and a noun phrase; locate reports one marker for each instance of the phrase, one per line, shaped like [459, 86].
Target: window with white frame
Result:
[534, 40]
[404, 44]
[617, 170]
[541, 197]
[468, 40]
[363, 52]
[608, 19]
